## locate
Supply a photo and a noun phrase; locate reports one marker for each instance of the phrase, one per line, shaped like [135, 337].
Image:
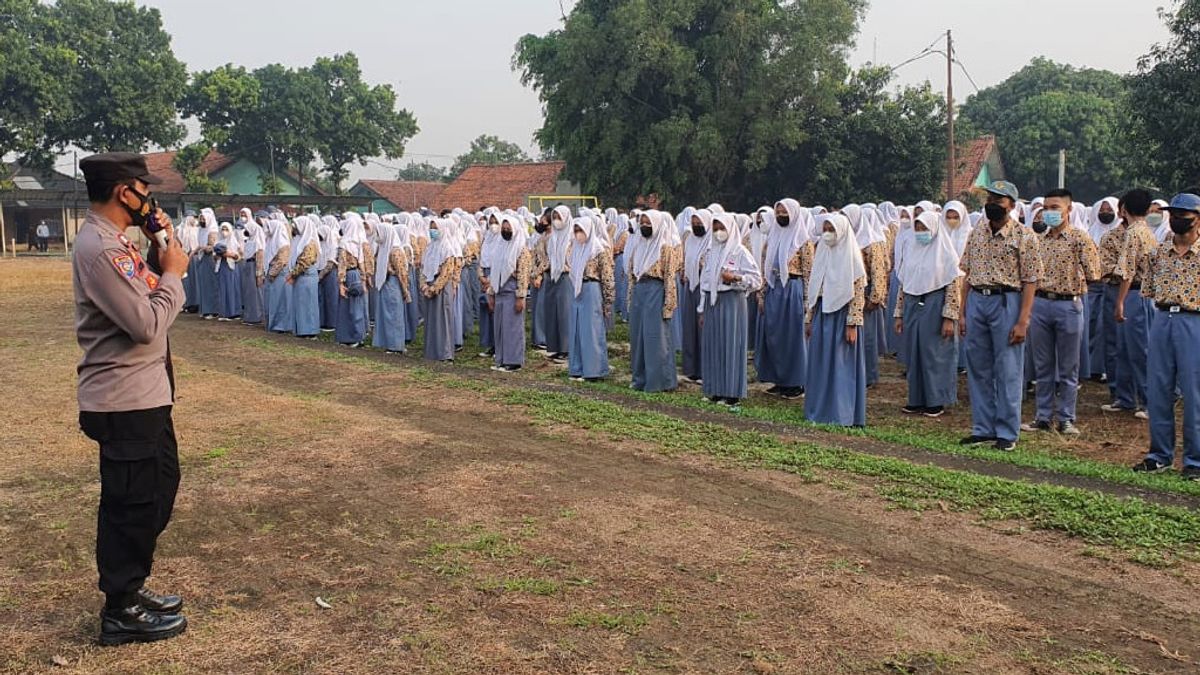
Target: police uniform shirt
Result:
[122, 313]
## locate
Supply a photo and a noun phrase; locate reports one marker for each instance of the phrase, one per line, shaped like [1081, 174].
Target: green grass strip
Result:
[1097, 518]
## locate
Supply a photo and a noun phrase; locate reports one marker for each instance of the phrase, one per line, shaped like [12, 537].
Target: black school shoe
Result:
[1191, 473]
[125, 625]
[976, 440]
[1151, 466]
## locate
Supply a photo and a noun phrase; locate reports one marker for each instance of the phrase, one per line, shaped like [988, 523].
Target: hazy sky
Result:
[449, 60]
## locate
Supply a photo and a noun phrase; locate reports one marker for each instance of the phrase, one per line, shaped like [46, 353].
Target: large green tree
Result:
[1045, 107]
[487, 150]
[1165, 104]
[94, 73]
[422, 171]
[694, 100]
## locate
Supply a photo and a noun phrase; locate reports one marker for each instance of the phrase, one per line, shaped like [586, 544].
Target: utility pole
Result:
[1062, 169]
[951, 165]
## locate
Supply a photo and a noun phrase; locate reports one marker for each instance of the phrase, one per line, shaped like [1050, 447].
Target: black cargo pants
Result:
[139, 476]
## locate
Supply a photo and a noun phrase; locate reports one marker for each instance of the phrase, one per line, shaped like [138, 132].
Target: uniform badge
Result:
[151, 280]
[124, 240]
[125, 266]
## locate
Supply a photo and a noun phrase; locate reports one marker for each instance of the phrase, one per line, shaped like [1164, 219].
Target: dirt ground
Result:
[450, 533]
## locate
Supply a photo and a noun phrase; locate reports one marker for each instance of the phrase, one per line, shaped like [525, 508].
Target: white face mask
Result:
[581, 237]
[721, 235]
[559, 224]
[495, 228]
[829, 238]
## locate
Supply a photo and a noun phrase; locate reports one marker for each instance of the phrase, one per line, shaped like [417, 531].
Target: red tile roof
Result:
[970, 159]
[161, 165]
[502, 185]
[406, 195]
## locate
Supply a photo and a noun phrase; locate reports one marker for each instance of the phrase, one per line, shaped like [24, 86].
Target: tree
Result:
[1165, 104]
[187, 162]
[93, 73]
[693, 100]
[1045, 107]
[355, 121]
[423, 171]
[872, 146]
[488, 150]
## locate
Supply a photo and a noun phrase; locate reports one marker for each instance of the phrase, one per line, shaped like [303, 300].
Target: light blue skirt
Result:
[452, 291]
[932, 360]
[781, 355]
[508, 327]
[537, 315]
[390, 323]
[725, 343]
[554, 305]
[229, 292]
[412, 310]
[191, 295]
[351, 325]
[874, 334]
[279, 305]
[470, 290]
[252, 293]
[651, 354]
[206, 285]
[440, 312]
[621, 302]
[836, 392]
[306, 304]
[486, 338]
[588, 352]
[677, 318]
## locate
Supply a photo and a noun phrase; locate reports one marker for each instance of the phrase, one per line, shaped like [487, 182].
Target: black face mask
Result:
[996, 213]
[341, 232]
[783, 221]
[506, 235]
[1181, 225]
[698, 230]
[540, 228]
[1040, 227]
[1107, 218]
[139, 218]
[631, 230]
[647, 231]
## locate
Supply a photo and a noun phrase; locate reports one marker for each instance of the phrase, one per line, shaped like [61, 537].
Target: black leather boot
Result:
[160, 604]
[123, 625]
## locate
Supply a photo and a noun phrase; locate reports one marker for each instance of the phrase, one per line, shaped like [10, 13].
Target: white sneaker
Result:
[1142, 415]
[1114, 408]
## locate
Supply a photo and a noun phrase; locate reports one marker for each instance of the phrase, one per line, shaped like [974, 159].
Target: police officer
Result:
[1002, 266]
[123, 308]
[1171, 278]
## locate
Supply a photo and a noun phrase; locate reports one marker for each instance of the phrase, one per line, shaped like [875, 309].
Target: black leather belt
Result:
[1135, 286]
[1113, 281]
[590, 281]
[993, 290]
[1047, 295]
[1176, 309]
[794, 276]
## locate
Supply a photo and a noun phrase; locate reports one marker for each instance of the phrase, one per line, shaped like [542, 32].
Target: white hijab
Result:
[257, 241]
[387, 241]
[732, 255]
[558, 242]
[648, 251]
[783, 242]
[959, 235]
[445, 247]
[1163, 233]
[211, 229]
[232, 245]
[329, 245]
[189, 234]
[582, 254]
[870, 228]
[307, 234]
[929, 267]
[277, 238]
[836, 268]
[506, 254]
[1097, 229]
[695, 247]
[758, 233]
[354, 236]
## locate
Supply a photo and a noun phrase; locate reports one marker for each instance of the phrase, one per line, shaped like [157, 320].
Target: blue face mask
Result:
[923, 238]
[1052, 218]
[434, 235]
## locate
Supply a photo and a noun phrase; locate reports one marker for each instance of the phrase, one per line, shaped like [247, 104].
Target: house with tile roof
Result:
[507, 186]
[979, 164]
[242, 175]
[391, 196]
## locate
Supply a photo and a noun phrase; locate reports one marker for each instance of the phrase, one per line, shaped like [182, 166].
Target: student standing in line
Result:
[252, 270]
[1002, 269]
[1069, 262]
[927, 314]
[302, 278]
[729, 273]
[327, 278]
[652, 270]
[695, 246]
[593, 289]
[391, 278]
[1134, 311]
[1171, 277]
[227, 252]
[836, 392]
[1101, 340]
[508, 284]
[353, 252]
[555, 300]
[439, 271]
[781, 355]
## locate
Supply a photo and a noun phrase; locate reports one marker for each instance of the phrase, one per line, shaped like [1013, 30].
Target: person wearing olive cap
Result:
[124, 306]
[1002, 266]
[1171, 278]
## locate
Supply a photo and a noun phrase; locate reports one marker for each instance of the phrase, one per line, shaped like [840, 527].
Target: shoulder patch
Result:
[125, 265]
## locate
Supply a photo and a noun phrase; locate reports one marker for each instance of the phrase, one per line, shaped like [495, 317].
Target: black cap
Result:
[115, 167]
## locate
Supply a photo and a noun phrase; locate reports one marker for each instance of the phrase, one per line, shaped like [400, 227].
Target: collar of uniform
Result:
[1004, 230]
[102, 223]
[1170, 244]
[1062, 232]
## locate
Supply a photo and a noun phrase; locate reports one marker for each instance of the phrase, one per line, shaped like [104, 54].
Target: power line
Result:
[969, 78]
